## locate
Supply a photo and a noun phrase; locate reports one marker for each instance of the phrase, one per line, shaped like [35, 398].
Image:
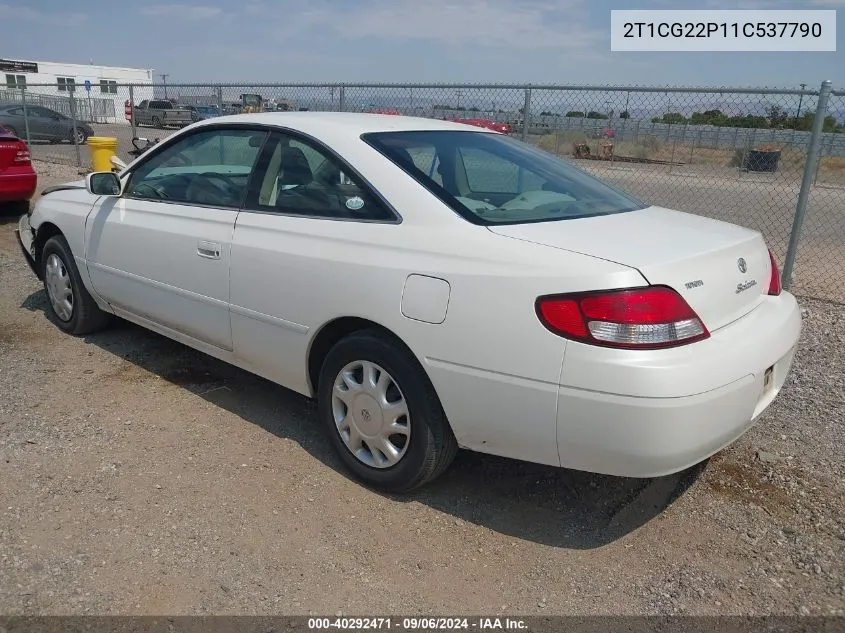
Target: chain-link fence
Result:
[772, 160]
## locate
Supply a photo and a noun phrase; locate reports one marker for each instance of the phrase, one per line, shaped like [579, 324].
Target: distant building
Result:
[98, 92]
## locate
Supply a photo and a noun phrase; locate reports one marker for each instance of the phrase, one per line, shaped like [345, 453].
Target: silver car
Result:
[44, 124]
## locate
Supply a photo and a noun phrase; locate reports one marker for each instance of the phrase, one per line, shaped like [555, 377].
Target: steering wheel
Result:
[155, 191]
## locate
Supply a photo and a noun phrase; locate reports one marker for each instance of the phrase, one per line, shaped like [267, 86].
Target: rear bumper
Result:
[17, 186]
[662, 432]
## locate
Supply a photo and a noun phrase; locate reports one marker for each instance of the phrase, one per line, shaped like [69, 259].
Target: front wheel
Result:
[69, 305]
[382, 414]
[156, 122]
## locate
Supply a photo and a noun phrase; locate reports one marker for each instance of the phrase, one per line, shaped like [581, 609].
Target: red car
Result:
[17, 177]
[392, 111]
[496, 126]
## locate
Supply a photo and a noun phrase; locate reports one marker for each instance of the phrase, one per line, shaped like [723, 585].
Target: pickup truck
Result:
[161, 113]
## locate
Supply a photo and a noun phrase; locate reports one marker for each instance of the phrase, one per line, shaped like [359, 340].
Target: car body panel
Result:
[660, 243]
[636, 429]
[17, 184]
[359, 270]
[168, 281]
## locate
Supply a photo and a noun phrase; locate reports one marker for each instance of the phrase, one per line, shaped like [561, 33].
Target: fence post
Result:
[220, 99]
[132, 111]
[73, 122]
[806, 183]
[526, 114]
[341, 106]
[25, 117]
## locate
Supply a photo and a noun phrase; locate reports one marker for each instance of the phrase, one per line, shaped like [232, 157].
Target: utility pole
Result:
[800, 99]
[164, 77]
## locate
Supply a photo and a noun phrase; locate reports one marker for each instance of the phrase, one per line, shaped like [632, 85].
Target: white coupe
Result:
[434, 286]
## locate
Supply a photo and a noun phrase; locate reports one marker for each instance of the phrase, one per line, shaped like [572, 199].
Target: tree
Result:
[575, 114]
[592, 114]
[673, 118]
[709, 117]
[624, 115]
[777, 116]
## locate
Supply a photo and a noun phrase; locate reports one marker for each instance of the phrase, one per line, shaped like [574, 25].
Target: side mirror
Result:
[103, 183]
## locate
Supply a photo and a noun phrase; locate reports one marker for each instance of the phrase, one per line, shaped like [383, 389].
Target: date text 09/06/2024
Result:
[417, 623]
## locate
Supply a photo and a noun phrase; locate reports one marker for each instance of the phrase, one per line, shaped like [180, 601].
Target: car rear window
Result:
[493, 179]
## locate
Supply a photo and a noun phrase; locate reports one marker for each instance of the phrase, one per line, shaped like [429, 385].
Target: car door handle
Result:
[209, 250]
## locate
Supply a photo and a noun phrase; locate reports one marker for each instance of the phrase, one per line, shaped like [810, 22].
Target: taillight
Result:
[774, 280]
[22, 154]
[637, 318]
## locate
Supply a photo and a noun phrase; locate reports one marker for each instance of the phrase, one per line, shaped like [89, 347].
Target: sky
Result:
[519, 41]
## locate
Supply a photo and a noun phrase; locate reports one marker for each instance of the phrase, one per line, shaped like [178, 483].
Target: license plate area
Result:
[769, 379]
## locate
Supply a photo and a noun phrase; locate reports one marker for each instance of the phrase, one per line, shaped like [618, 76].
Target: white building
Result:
[98, 92]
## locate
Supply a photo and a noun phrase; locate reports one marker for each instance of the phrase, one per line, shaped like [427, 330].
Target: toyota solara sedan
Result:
[432, 285]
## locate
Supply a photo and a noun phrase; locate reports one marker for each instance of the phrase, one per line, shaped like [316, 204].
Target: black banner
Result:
[14, 66]
[420, 624]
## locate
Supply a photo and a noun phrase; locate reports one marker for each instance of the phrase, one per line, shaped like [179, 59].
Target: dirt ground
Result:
[140, 477]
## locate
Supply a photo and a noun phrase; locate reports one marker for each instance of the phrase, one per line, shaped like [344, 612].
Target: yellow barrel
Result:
[102, 149]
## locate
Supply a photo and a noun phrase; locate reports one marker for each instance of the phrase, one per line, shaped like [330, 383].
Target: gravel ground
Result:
[141, 477]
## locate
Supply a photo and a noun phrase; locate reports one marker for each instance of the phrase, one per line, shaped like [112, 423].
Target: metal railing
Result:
[769, 159]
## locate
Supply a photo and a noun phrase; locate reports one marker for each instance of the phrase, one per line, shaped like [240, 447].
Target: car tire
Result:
[78, 136]
[156, 122]
[13, 131]
[60, 275]
[429, 445]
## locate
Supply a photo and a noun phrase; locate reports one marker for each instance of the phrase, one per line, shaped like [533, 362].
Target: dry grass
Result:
[831, 169]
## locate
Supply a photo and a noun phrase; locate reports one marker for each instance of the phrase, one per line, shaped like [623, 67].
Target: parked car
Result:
[489, 124]
[199, 113]
[17, 176]
[161, 113]
[390, 111]
[44, 124]
[207, 112]
[432, 285]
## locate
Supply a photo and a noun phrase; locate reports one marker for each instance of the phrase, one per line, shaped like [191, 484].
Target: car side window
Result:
[300, 178]
[211, 168]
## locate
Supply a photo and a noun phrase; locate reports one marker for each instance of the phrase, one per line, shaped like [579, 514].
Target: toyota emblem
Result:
[740, 263]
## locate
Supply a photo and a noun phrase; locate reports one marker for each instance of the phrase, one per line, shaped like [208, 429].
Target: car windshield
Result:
[493, 179]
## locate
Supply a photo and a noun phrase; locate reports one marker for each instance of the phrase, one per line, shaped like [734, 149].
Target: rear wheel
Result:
[382, 414]
[69, 305]
[78, 137]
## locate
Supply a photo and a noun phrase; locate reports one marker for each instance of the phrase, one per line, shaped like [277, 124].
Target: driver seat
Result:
[294, 171]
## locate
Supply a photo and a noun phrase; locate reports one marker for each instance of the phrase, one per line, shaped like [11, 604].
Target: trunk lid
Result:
[720, 269]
